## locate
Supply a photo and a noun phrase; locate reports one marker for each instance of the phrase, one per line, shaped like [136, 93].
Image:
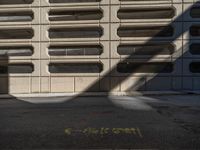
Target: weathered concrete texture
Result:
[73, 46]
[164, 122]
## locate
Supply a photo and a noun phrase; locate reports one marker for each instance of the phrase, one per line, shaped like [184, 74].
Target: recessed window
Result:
[75, 15]
[195, 12]
[89, 32]
[195, 30]
[75, 67]
[16, 16]
[195, 67]
[16, 68]
[16, 51]
[145, 31]
[13, 2]
[146, 13]
[146, 67]
[73, 1]
[75, 50]
[146, 49]
[195, 49]
[16, 33]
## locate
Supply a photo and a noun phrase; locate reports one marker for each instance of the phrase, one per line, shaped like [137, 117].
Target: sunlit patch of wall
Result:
[68, 46]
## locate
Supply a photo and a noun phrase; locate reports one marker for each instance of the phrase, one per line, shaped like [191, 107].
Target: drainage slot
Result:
[16, 16]
[14, 2]
[75, 50]
[16, 51]
[195, 67]
[75, 67]
[146, 49]
[16, 33]
[90, 32]
[146, 67]
[73, 1]
[16, 68]
[146, 31]
[64, 15]
[146, 13]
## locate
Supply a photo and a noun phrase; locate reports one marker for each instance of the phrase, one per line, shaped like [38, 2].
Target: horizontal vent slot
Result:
[75, 68]
[16, 16]
[146, 31]
[195, 67]
[195, 30]
[15, 51]
[13, 2]
[146, 13]
[133, 67]
[75, 50]
[195, 49]
[90, 32]
[55, 15]
[195, 12]
[146, 49]
[16, 68]
[73, 1]
[16, 33]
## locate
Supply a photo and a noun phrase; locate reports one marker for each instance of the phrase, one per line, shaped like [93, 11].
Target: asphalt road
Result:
[115, 122]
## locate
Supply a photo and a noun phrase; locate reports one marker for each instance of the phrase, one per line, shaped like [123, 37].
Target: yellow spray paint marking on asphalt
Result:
[105, 131]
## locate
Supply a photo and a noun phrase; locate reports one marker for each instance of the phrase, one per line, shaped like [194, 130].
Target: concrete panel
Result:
[159, 84]
[87, 84]
[19, 85]
[133, 84]
[187, 83]
[62, 84]
[196, 83]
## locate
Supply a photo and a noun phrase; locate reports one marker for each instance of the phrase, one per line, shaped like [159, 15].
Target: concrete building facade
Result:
[73, 46]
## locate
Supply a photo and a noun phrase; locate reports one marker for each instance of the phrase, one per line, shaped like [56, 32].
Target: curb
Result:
[100, 94]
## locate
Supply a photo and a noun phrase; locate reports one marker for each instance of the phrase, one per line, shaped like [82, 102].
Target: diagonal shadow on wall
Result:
[138, 85]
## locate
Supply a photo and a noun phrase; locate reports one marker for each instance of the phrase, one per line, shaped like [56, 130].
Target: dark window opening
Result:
[146, 31]
[14, 2]
[75, 67]
[150, 67]
[16, 68]
[16, 33]
[195, 30]
[195, 12]
[16, 16]
[66, 15]
[195, 67]
[16, 51]
[90, 32]
[73, 1]
[146, 49]
[195, 49]
[146, 13]
[75, 50]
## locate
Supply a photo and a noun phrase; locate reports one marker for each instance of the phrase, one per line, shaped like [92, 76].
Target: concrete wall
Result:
[81, 42]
